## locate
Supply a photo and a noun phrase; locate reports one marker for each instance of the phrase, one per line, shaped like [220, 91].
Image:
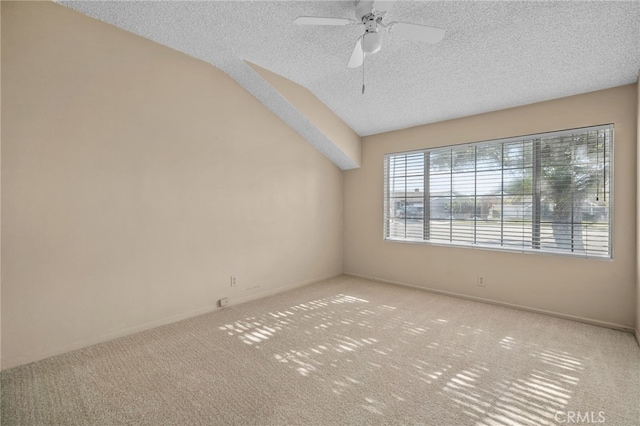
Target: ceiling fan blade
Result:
[383, 5]
[417, 32]
[357, 57]
[317, 20]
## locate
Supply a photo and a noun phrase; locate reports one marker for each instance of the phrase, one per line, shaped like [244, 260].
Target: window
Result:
[540, 193]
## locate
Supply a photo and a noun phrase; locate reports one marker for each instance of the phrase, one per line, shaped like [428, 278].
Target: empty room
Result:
[320, 213]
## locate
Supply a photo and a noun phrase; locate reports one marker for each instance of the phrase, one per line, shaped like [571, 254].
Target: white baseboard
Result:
[271, 292]
[27, 358]
[37, 356]
[505, 304]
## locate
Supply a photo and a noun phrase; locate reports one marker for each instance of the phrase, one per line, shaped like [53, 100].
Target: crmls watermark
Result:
[580, 417]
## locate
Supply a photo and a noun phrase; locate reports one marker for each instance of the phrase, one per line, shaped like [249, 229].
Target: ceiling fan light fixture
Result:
[371, 42]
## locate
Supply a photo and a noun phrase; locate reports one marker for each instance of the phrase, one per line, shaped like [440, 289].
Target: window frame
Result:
[535, 164]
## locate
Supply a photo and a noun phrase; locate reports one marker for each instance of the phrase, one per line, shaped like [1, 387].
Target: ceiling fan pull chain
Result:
[363, 61]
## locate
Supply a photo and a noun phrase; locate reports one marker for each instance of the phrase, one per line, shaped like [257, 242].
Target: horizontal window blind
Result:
[549, 193]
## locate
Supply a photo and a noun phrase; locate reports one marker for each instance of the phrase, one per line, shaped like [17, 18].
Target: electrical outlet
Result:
[233, 281]
[223, 302]
[481, 281]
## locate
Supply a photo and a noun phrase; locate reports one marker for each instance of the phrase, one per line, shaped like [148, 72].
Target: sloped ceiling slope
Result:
[495, 55]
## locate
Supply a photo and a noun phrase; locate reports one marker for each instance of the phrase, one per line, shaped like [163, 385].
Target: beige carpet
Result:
[345, 351]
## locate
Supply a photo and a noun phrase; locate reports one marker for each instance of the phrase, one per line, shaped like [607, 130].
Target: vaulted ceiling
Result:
[495, 54]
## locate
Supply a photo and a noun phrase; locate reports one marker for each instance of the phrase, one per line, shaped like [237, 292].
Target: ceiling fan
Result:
[370, 14]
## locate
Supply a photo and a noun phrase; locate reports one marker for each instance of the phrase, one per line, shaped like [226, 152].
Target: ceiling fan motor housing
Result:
[370, 23]
[371, 40]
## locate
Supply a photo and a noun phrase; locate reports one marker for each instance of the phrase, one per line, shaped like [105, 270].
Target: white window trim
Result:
[521, 250]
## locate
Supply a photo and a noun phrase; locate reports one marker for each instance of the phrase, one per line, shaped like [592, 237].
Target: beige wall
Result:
[596, 290]
[133, 188]
[315, 111]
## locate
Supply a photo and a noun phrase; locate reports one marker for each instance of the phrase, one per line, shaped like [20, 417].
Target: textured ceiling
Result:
[494, 55]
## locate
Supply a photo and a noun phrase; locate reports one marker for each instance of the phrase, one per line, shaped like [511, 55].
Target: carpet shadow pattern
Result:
[342, 351]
